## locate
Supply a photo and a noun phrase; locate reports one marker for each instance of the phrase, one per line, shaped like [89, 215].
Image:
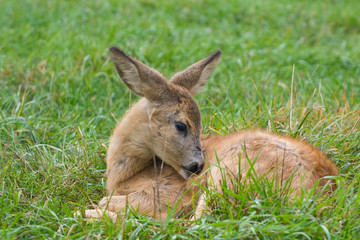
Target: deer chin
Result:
[185, 174]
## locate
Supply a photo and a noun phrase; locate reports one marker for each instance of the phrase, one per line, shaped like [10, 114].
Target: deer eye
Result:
[181, 127]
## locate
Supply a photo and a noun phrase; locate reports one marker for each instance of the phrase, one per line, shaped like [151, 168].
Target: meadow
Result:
[290, 67]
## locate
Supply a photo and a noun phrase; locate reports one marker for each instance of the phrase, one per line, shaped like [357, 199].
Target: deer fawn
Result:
[157, 148]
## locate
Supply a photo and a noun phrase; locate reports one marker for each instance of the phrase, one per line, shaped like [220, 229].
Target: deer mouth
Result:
[192, 169]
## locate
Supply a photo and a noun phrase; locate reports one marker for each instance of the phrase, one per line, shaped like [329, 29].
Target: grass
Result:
[60, 97]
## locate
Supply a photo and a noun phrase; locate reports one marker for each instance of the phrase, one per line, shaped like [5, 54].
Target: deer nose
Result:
[195, 168]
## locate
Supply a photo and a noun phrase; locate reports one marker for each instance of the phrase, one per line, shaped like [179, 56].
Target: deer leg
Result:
[107, 207]
[98, 213]
[201, 207]
[141, 201]
[113, 203]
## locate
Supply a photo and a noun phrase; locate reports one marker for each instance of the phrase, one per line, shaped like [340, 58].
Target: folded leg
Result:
[141, 201]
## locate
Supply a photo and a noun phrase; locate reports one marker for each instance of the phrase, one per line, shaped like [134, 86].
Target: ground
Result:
[290, 67]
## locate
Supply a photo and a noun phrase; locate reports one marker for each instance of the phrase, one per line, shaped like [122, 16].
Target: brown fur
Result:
[148, 132]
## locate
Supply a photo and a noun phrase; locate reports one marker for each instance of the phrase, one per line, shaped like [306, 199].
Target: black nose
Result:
[194, 168]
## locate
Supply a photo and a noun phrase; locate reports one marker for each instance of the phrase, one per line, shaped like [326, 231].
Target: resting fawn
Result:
[157, 148]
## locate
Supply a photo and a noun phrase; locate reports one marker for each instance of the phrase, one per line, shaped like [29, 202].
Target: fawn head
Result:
[173, 114]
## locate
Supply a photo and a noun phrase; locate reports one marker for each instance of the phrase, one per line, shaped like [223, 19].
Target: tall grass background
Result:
[290, 67]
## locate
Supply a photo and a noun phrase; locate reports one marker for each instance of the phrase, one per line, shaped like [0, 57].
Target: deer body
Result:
[156, 149]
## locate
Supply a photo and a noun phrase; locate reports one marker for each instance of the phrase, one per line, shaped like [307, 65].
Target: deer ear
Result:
[194, 77]
[141, 79]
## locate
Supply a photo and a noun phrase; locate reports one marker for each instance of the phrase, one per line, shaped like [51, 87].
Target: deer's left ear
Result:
[194, 77]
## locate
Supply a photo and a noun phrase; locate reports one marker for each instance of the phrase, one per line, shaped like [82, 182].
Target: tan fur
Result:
[149, 158]
[273, 156]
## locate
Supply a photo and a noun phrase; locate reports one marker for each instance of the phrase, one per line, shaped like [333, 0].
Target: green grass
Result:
[60, 97]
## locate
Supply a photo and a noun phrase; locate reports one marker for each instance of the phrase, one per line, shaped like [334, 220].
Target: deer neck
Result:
[129, 151]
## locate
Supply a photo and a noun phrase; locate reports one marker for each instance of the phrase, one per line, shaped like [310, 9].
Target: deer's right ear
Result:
[141, 79]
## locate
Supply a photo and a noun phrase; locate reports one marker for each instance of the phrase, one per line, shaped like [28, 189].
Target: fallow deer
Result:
[157, 148]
